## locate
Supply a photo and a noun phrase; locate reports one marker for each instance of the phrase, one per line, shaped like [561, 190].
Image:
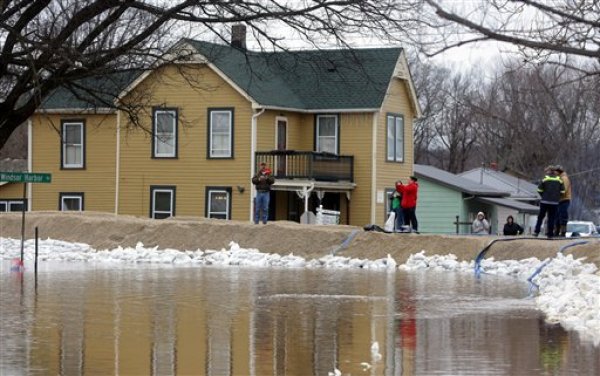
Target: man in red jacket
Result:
[409, 202]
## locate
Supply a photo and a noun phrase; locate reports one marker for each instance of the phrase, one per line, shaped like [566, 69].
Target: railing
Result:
[290, 164]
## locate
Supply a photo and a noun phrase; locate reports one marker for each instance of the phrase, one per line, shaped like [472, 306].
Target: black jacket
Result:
[263, 181]
[512, 229]
[550, 189]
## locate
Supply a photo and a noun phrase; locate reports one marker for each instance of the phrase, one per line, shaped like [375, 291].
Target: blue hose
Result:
[482, 253]
[345, 242]
[543, 265]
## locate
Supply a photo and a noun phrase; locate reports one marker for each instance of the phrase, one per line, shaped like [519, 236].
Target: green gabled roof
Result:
[303, 80]
[310, 80]
[90, 93]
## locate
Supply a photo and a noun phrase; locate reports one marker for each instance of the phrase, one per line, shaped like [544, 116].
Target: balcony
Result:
[290, 164]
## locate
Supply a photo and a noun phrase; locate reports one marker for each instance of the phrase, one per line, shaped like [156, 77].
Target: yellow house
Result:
[335, 126]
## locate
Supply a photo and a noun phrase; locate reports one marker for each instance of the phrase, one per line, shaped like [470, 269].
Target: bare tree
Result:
[529, 118]
[538, 27]
[47, 44]
[446, 135]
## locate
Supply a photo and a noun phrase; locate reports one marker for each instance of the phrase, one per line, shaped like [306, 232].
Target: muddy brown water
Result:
[130, 319]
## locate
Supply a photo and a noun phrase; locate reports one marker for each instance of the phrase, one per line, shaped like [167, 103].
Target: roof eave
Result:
[313, 111]
[402, 72]
[87, 111]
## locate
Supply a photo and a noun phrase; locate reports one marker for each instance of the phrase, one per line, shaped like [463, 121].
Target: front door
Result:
[281, 145]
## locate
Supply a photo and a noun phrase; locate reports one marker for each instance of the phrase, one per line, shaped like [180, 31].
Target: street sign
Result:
[25, 177]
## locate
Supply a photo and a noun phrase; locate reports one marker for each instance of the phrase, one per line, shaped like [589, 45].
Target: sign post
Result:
[24, 177]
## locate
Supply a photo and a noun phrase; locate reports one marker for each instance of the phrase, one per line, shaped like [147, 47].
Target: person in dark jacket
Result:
[550, 189]
[512, 228]
[409, 202]
[263, 181]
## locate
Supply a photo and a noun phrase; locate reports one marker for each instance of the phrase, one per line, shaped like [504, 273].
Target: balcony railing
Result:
[290, 164]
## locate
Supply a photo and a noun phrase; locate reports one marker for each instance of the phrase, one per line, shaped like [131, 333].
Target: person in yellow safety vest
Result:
[550, 189]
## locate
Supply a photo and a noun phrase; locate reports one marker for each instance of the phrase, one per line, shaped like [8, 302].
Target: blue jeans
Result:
[562, 216]
[261, 204]
[399, 218]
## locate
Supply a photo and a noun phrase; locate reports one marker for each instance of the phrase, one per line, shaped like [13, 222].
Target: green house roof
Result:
[310, 80]
[90, 93]
[305, 80]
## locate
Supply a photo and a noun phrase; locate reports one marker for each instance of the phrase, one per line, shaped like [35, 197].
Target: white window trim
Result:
[77, 197]
[64, 144]
[9, 204]
[230, 133]
[395, 138]
[161, 190]
[227, 204]
[336, 136]
[173, 153]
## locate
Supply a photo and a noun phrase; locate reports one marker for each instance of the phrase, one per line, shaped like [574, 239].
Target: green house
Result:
[448, 203]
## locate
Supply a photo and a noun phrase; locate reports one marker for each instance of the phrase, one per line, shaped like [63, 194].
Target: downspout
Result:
[29, 161]
[374, 167]
[118, 162]
[253, 131]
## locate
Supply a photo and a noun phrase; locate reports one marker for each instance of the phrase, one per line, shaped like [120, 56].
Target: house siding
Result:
[397, 101]
[438, 207]
[355, 139]
[96, 180]
[12, 191]
[192, 90]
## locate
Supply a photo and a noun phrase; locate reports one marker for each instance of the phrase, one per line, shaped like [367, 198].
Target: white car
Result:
[581, 228]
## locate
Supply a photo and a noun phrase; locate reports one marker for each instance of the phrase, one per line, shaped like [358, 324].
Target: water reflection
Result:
[146, 320]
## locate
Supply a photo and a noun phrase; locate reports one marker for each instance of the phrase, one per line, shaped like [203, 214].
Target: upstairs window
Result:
[71, 201]
[220, 133]
[164, 132]
[73, 144]
[395, 138]
[327, 134]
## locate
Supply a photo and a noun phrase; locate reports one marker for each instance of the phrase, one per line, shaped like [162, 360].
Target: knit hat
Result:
[480, 213]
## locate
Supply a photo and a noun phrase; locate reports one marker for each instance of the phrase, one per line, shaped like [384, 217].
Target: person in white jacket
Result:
[480, 225]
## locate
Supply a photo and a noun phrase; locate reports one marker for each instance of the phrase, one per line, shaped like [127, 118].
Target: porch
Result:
[308, 165]
[304, 180]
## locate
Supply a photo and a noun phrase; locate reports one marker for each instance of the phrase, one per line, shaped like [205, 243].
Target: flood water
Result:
[104, 319]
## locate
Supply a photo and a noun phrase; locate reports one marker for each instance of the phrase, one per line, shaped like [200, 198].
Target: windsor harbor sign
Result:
[25, 177]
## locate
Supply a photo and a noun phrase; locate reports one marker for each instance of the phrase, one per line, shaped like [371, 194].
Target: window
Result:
[327, 134]
[162, 202]
[218, 202]
[70, 201]
[73, 144]
[220, 133]
[11, 206]
[395, 138]
[164, 132]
